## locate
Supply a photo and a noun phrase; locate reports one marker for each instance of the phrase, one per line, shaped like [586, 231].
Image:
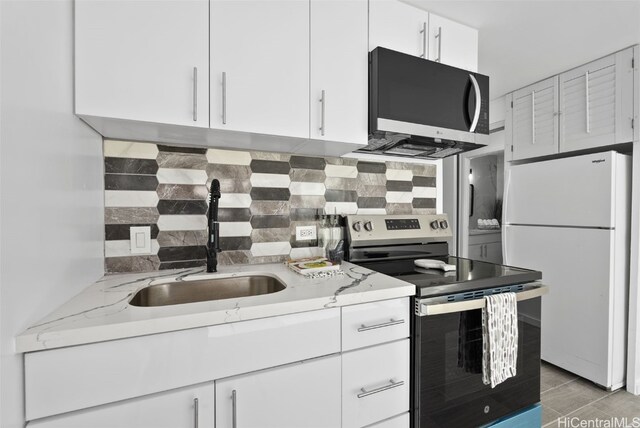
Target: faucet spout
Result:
[213, 233]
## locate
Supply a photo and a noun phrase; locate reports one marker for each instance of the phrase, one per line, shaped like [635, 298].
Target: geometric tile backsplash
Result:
[264, 197]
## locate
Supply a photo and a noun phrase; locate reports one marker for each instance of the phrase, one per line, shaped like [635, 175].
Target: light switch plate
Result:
[140, 239]
[306, 233]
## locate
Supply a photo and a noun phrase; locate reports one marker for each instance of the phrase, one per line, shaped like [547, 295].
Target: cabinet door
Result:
[339, 70]
[535, 120]
[260, 66]
[305, 394]
[173, 409]
[398, 26]
[452, 43]
[493, 252]
[476, 252]
[143, 60]
[596, 103]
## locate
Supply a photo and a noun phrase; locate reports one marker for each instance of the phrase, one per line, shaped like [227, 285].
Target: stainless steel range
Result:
[447, 388]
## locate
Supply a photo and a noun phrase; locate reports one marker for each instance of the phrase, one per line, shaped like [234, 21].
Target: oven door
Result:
[447, 364]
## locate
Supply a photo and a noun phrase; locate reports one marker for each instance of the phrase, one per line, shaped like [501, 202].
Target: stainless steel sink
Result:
[202, 290]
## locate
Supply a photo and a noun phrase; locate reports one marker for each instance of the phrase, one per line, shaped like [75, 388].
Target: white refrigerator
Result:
[569, 218]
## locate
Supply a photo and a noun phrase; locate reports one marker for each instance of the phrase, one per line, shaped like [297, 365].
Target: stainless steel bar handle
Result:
[468, 305]
[234, 407]
[391, 385]
[224, 97]
[586, 107]
[195, 94]
[533, 117]
[476, 113]
[195, 412]
[424, 40]
[322, 103]
[439, 37]
[376, 326]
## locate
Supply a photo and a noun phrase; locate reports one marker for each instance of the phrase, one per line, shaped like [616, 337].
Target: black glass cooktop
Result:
[469, 275]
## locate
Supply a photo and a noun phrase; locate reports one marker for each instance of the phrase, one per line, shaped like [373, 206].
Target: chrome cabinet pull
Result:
[424, 40]
[195, 94]
[586, 107]
[375, 326]
[439, 37]
[391, 385]
[533, 117]
[322, 102]
[234, 413]
[195, 412]
[224, 97]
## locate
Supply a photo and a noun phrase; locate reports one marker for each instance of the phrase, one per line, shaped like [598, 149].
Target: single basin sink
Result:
[201, 290]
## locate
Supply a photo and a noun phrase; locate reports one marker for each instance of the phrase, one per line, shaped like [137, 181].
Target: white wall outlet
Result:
[140, 237]
[306, 233]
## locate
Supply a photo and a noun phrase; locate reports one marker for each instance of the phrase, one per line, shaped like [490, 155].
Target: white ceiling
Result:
[523, 41]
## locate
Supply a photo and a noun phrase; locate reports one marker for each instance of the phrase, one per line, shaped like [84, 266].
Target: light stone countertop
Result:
[102, 311]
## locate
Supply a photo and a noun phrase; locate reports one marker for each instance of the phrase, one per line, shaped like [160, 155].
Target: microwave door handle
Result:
[476, 114]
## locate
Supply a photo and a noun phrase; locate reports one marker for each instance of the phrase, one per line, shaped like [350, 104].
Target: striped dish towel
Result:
[499, 338]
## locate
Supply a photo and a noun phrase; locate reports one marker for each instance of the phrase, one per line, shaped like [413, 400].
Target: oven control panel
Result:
[410, 227]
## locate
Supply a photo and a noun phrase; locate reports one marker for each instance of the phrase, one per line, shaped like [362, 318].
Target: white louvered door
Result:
[534, 121]
[596, 103]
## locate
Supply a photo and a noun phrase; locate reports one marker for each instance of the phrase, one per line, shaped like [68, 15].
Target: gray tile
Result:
[222, 172]
[371, 179]
[173, 206]
[372, 202]
[182, 191]
[270, 194]
[371, 190]
[147, 263]
[423, 170]
[342, 161]
[130, 166]
[424, 181]
[300, 201]
[397, 165]
[270, 235]
[271, 207]
[235, 243]
[372, 167]
[307, 162]
[549, 415]
[395, 208]
[305, 214]
[228, 258]
[234, 214]
[620, 404]
[177, 238]
[399, 186]
[235, 186]
[284, 157]
[424, 211]
[183, 264]
[307, 176]
[340, 195]
[269, 221]
[130, 182]
[424, 202]
[571, 396]
[552, 376]
[180, 149]
[182, 160]
[120, 215]
[270, 167]
[338, 183]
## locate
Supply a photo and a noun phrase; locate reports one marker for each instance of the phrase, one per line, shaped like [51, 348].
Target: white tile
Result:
[181, 176]
[122, 248]
[344, 171]
[399, 197]
[424, 192]
[240, 228]
[182, 222]
[299, 253]
[128, 149]
[341, 208]
[235, 200]
[308, 189]
[371, 211]
[270, 180]
[228, 157]
[270, 249]
[399, 174]
[130, 198]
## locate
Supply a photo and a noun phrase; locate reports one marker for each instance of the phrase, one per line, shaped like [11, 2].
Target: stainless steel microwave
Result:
[423, 108]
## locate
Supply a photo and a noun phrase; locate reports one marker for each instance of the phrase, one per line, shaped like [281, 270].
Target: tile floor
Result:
[565, 395]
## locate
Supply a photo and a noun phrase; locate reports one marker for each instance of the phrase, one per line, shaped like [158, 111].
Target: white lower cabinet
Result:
[304, 394]
[180, 408]
[400, 421]
[375, 383]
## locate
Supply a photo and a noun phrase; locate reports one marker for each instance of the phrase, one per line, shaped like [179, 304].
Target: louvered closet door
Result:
[535, 125]
[596, 103]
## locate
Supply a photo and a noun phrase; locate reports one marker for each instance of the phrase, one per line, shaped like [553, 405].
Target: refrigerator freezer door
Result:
[580, 313]
[576, 191]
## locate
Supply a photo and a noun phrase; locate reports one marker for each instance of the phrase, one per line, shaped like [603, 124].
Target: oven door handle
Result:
[426, 309]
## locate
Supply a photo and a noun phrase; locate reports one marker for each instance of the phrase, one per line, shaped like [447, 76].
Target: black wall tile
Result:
[270, 194]
[183, 264]
[175, 149]
[235, 243]
[170, 206]
[130, 182]
[130, 166]
[270, 167]
[182, 253]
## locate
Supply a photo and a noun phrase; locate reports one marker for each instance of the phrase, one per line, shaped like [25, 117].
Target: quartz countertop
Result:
[484, 231]
[102, 311]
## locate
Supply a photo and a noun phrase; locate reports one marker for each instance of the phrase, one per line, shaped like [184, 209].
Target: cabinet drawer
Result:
[373, 323]
[400, 421]
[375, 383]
[65, 379]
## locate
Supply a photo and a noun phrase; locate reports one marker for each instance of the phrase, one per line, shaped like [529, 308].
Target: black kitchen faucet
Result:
[213, 235]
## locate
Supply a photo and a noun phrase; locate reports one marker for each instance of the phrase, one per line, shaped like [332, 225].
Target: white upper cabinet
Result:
[260, 66]
[143, 60]
[339, 69]
[399, 27]
[452, 43]
[596, 103]
[534, 124]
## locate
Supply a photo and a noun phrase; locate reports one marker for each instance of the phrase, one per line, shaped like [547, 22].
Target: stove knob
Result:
[444, 224]
[357, 226]
[368, 226]
[435, 225]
